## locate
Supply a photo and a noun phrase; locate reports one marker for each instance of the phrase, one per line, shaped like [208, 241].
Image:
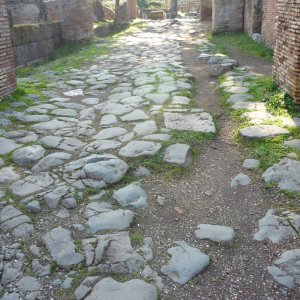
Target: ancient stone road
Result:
[65, 216]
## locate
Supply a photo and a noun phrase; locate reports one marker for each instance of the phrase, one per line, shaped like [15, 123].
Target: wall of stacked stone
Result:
[36, 41]
[228, 15]
[253, 16]
[205, 9]
[53, 14]
[77, 20]
[286, 68]
[268, 22]
[7, 60]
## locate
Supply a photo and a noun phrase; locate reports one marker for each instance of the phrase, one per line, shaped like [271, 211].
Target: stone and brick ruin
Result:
[32, 29]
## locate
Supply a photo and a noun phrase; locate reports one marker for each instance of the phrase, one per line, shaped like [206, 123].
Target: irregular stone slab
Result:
[110, 219]
[110, 289]
[114, 251]
[136, 115]
[101, 145]
[131, 195]
[240, 179]
[286, 174]
[50, 126]
[146, 249]
[143, 90]
[182, 100]
[162, 89]
[62, 143]
[237, 90]
[119, 96]
[110, 133]
[61, 247]
[262, 131]
[286, 269]
[133, 101]
[239, 98]
[276, 228]
[28, 284]
[108, 120]
[8, 174]
[251, 164]
[179, 155]
[198, 122]
[145, 128]
[74, 93]
[157, 137]
[33, 118]
[216, 233]
[259, 106]
[116, 109]
[13, 219]
[31, 184]
[158, 98]
[64, 112]
[151, 276]
[51, 161]
[185, 263]
[295, 143]
[28, 155]
[90, 101]
[53, 198]
[108, 168]
[87, 114]
[7, 145]
[140, 148]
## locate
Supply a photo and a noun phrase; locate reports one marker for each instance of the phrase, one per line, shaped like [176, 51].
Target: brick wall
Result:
[228, 15]
[286, 68]
[7, 60]
[132, 9]
[77, 20]
[205, 9]
[52, 10]
[268, 22]
[253, 16]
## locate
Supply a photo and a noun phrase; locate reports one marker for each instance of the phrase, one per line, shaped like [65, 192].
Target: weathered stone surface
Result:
[50, 126]
[136, 115]
[216, 233]
[262, 131]
[31, 184]
[110, 289]
[158, 98]
[51, 161]
[108, 120]
[116, 109]
[178, 154]
[251, 163]
[286, 269]
[28, 155]
[99, 146]
[110, 133]
[7, 145]
[108, 168]
[295, 144]
[68, 144]
[7, 174]
[276, 228]
[237, 90]
[131, 195]
[28, 284]
[201, 122]
[157, 137]
[239, 98]
[64, 112]
[140, 148]
[286, 174]
[240, 179]
[185, 263]
[145, 128]
[61, 247]
[53, 198]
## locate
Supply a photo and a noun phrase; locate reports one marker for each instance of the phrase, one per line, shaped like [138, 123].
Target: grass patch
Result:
[192, 137]
[137, 239]
[242, 42]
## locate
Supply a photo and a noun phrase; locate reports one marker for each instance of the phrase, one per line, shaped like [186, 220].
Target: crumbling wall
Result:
[228, 15]
[253, 16]
[77, 20]
[286, 68]
[7, 59]
[205, 9]
[121, 13]
[268, 22]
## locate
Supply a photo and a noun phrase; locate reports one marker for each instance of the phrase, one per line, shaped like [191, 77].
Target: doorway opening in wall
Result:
[196, 8]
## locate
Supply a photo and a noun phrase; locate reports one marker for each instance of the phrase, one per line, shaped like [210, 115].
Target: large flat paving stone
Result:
[286, 174]
[262, 131]
[51, 161]
[145, 128]
[179, 155]
[110, 289]
[110, 133]
[136, 115]
[7, 145]
[8, 174]
[61, 247]
[185, 263]
[140, 148]
[199, 122]
[50, 126]
[116, 109]
[28, 155]
[295, 144]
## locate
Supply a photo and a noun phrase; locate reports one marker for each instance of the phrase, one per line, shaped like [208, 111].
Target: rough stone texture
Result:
[251, 163]
[228, 15]
[216, 233]
[7, 58]
[276, 228]
[111, 289]
[286, 68]
[28, 155]
[286, 174]
[140, 148]
[262, 131]
[61, 247]
[253, 16]
[286, 269]
[185, 263]
[178, 154]
[240, 179]
[131, 195]
[268, 28]
[7, 174]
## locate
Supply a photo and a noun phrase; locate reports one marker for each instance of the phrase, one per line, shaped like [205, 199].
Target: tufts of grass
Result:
[242, 42]
[192, 137]
[137, 239]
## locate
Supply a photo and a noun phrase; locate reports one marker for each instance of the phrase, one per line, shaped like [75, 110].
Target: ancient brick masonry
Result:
[7, 59]
[268, 22]
[253, 16]
[77, 20]
[205, 9]
[286, 67]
